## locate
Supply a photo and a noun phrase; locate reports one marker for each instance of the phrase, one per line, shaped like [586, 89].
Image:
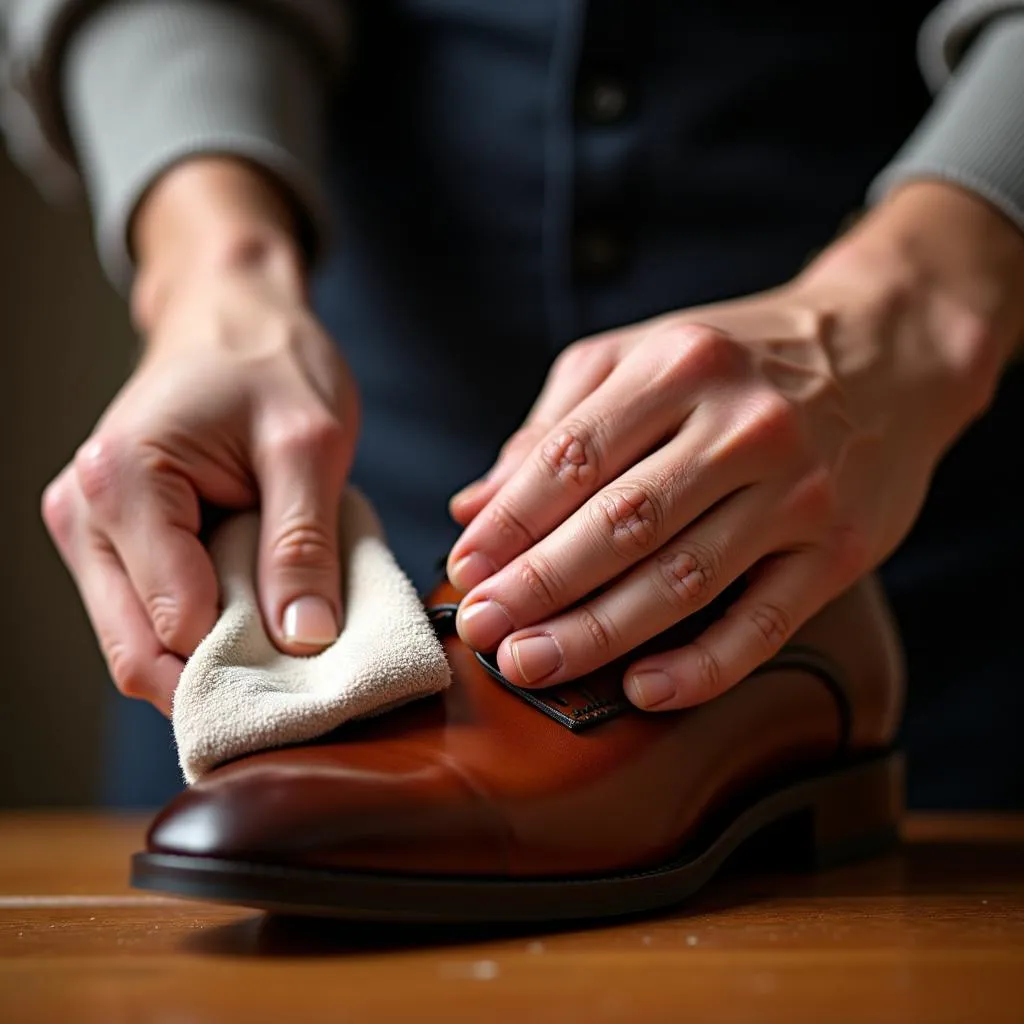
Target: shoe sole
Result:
[846, 814]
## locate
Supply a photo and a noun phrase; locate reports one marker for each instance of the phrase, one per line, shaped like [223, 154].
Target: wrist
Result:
[944, 258]
[207, 217]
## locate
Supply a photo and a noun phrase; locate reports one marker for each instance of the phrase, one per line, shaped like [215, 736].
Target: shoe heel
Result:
[851, 814]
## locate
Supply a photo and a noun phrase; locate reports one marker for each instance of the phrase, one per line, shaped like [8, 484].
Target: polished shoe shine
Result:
[488, 802]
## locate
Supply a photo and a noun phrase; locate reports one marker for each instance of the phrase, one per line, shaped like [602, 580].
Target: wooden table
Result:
[932, 933]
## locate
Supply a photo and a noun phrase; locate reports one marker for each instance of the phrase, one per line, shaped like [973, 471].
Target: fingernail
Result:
[471, 571]
[649, 689]
[310, 620]
[484, 625]
[536, 657]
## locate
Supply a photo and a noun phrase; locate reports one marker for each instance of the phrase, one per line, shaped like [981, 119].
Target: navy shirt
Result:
[512, 175]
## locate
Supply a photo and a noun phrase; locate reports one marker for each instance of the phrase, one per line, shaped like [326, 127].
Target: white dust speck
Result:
[691, 940]
[477, 970]
[535, 947]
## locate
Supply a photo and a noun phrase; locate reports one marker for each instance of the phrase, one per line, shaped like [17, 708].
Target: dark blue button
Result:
[602, 99]
[599, 251]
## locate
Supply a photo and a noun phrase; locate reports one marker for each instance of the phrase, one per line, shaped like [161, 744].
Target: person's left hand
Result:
[789, 437]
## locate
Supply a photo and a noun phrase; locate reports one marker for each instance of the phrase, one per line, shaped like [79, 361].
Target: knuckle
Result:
[304, 433]
[599, 632]
[581, 357]
[630, 518]
[540, 580]
[99, 466]
[571, 456]
[571, 359]
[697, 351]
[508, 525]
[689, 574]
[772, 625]
[58, 510]
[300, 545]
[708, 675]
[126, 669]
[775, 422]
[164, 612]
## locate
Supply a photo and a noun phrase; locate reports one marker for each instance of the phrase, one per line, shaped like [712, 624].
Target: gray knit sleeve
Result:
[116, 93]
[973, 134]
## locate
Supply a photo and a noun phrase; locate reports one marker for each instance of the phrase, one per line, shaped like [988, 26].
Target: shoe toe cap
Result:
[362, 808]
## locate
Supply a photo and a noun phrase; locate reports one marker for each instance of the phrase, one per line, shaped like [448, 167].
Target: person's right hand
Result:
[241, 400]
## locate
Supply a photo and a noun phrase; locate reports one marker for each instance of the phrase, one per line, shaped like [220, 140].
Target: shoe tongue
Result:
[577, 705]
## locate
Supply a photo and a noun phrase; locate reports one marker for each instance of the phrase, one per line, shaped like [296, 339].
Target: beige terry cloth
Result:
[239, 694]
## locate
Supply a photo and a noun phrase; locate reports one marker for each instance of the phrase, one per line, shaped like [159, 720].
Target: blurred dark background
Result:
[65, 347]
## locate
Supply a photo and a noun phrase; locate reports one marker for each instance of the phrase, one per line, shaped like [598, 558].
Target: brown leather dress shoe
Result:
[492, 803]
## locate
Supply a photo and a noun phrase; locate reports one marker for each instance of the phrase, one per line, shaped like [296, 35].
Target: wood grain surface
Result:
[933, 932]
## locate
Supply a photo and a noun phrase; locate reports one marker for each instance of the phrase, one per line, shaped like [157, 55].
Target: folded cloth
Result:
[239, 694]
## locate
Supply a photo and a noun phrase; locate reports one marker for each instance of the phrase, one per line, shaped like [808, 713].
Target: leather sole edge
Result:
[845, 814]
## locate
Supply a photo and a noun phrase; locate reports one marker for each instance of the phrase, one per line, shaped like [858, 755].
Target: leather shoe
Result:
[488, 802]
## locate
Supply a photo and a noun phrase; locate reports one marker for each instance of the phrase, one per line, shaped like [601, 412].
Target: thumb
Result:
[301, 474]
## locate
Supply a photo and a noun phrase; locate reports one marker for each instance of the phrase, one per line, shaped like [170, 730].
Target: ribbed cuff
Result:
[974, 133]
[148, 84]
[950, 29]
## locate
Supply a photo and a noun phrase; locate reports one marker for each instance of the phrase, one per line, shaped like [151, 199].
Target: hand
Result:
[239, 399]
[789, 437]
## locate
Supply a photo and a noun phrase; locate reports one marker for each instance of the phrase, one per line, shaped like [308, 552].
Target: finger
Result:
[139, 664]
[642, 401]
[576, 373]
[301, 468]
[149, 510]
[621, 525]
[649, 395]
[787, 591]
[679, 579]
